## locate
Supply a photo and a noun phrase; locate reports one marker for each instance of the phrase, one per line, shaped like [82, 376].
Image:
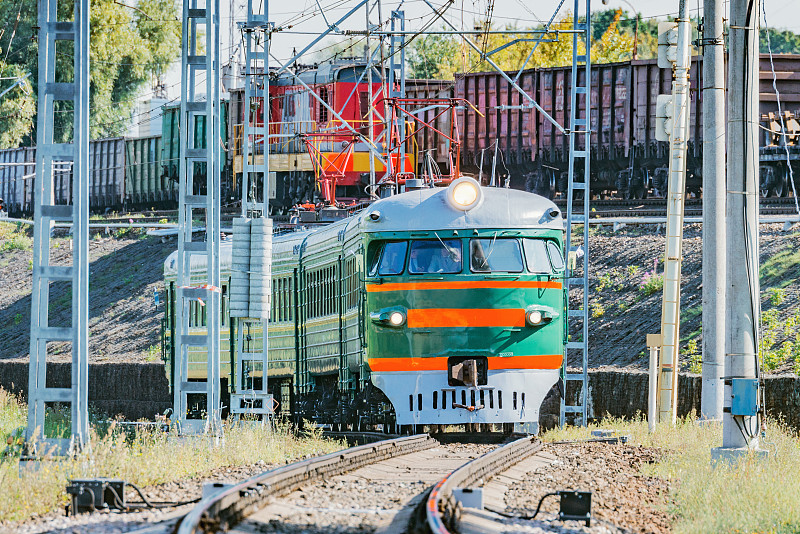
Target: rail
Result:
[441, 508]
[229, 506]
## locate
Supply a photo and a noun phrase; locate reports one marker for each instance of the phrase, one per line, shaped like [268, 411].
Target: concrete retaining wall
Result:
[624, 394]
[140, 390]
[134, 390]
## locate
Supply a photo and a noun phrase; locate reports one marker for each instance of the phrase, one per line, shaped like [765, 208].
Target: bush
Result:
[651, 283]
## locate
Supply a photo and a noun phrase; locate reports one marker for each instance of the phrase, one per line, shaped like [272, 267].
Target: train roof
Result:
[280, 243]
[340, 71]
[428, 209]
[423, 209]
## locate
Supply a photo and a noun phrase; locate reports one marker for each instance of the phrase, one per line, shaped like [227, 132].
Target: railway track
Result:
[395, 485]
[611, 208]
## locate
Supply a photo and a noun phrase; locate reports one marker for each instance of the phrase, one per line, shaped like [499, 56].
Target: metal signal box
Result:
[93, 494]
[575, 506]
[744, 396]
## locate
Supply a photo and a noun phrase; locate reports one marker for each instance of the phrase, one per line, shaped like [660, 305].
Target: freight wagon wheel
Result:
[781, 188]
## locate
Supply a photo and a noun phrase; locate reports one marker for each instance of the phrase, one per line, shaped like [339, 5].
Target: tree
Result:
[439, 56]
[781, 42]
[17, 107]
[129, 45]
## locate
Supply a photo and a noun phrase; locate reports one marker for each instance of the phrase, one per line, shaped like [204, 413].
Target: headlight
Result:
[393, 317]
[397, 318]
[464, 193]
[539, 315]
[534, 317]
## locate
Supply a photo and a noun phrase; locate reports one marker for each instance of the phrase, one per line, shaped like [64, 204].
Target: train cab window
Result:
[536, 255]
[495, 255]
[556, 259]
[435, 256]
[387, 258]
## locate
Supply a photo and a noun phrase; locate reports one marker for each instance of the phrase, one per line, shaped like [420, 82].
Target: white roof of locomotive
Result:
[427, 209]
[423, 209]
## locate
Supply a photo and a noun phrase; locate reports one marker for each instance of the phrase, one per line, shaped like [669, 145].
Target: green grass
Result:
[143, 458]
[781, 269]
[16, 242]
[750, 495]
[14, 236]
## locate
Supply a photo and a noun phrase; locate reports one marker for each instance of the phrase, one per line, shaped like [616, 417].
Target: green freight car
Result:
[171, 149]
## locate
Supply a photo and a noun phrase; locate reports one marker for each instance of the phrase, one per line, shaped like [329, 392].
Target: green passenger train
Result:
[434, 306]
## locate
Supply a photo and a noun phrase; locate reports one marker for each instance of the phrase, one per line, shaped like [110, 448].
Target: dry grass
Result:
[146, 458]
[751, 495]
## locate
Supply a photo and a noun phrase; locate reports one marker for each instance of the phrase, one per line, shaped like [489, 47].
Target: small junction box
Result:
[575, 506]
[744, 397]
[93, 494]
[469, 497]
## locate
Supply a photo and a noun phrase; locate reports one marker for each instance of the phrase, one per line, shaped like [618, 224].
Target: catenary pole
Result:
[742, 284]
[713, 210]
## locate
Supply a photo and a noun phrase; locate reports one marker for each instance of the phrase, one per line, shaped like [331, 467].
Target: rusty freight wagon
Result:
[106, 177]
[626, 158]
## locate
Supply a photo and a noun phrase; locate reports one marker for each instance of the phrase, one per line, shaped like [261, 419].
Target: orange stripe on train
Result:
[465, 317]
[496, 363]
[469, 284]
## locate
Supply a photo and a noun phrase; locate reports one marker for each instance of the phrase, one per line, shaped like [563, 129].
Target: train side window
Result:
[223, 299]
[495, 255]
[536, 255]
[291, 299]
[435, 256]
[387, 258]
[556, 259]
[323, 111]
[275, 305]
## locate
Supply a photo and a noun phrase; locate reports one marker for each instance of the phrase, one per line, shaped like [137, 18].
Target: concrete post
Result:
[713, 210]
[743, 289]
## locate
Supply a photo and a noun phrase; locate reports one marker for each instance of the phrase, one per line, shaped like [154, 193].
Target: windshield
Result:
[495, 255]
[387, 258]
[435, 256]
[536, 255]
[556, 259]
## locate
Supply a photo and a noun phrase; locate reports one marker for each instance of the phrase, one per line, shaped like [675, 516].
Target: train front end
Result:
[464, 303]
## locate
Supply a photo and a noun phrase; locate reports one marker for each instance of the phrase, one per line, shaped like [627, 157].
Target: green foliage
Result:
[781, 41]
[128, 47]
[153, 353]
[17, 107]
[694, 357]
[651, 283]
[780, 340]
[14, 240]
[781, 269]
[434, 56]
[597, 310]
[777, 295]
[440, 56]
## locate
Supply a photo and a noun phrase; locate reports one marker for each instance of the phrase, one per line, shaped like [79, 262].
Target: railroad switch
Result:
[92, 494]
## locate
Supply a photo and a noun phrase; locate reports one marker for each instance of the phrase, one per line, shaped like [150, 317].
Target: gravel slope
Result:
[125, 326]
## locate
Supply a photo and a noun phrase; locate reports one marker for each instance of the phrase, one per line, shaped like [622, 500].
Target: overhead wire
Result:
[780, 110]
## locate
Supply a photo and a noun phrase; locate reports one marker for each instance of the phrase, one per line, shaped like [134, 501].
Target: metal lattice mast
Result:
[46, 213]
[199, 63]
[397, 81]
[579, 158]
[245, 397]
[256, 90]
